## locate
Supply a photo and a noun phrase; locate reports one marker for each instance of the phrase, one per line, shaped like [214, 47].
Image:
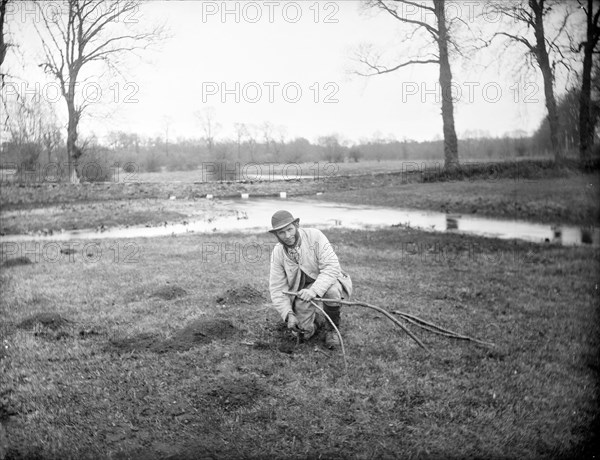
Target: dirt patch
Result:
[169, 292]
[235, 393]
[17, 262]
[241, 295]
[49, 320]
[47, 325]
[196, 333]
[276, 336]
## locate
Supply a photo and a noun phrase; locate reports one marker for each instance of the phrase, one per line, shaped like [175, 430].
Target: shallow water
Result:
[255, 215]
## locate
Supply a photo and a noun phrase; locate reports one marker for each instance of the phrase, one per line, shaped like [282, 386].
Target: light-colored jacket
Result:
[317, 259]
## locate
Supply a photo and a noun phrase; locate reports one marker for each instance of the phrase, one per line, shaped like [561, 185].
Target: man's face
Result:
[287, 235]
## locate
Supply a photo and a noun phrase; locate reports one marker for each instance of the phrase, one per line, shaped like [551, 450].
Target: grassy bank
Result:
[573, 199]
[105, 214]
[175, 352]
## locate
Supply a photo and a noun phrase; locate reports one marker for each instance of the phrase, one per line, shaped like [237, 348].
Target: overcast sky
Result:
[291, 64]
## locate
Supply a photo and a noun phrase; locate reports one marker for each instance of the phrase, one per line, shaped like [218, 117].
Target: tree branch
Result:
[516, 38]
[432, 30]
[110, 15]
[93, 55]
[418, 5]
[380, 70]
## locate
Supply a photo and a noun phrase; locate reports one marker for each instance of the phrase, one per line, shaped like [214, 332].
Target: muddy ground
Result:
[46, 218]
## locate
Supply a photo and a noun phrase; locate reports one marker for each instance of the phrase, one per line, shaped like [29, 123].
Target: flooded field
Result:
[255, 214]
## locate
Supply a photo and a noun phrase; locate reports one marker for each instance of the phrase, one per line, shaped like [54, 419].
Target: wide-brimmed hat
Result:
[282, 219]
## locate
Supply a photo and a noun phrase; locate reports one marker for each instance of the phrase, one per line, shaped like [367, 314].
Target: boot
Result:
[332, 340]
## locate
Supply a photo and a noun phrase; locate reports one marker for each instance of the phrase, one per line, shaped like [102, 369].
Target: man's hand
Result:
[306, 294]
[292, 321]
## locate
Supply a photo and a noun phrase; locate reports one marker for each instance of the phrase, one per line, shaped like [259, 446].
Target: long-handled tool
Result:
[380, 310]
[411, 319]
[337, 332]
[330, 322]
[437, 329]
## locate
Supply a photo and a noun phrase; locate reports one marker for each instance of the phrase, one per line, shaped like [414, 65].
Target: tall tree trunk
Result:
[544, 63]
[552, 111]
[586, 130]
[73, 152]
[450, 140]
[3, 44]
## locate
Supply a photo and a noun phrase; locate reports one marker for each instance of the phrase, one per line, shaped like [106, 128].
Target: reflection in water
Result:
[451, 223]
[557, 233]
[255, 215]
[566, 235]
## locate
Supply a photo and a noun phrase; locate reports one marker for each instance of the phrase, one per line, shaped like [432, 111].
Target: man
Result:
[304, 262]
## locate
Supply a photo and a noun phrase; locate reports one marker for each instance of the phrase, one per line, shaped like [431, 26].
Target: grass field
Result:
[177, 353]
[317, 170]
[246, 170]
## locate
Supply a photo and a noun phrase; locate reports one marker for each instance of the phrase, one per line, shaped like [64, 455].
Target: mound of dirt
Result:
[50, 320]
[197, 332]
[169, 292]
[16, 262]
[245, 294]
[53, 326]
[235, 393]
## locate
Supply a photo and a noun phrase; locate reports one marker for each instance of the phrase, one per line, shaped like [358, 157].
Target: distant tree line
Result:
[133, 153]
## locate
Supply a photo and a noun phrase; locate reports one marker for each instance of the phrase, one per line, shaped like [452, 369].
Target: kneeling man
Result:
[303, 261]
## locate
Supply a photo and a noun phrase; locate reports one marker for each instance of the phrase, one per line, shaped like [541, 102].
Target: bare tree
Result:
[51, 137]
[267, 131]
[167, 124]
[332, 150]
[3, 49]
[85, 32]
[3, 44]
[542, 49]
[210, 127]
[436, 52]
[589, 47]
[279, 145]
[241, 131]
[252, 133]
[32, 127]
